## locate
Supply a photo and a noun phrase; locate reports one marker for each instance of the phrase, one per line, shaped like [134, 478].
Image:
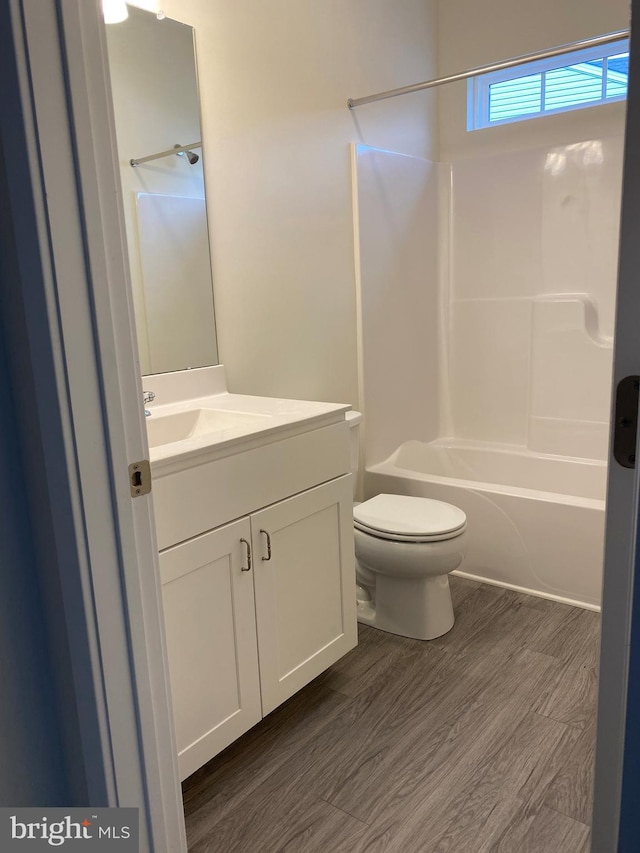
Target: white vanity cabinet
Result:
[210, 626]
[305, 589]
[258, 607]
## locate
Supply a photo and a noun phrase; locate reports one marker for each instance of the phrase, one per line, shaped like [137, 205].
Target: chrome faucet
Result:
[147, 397]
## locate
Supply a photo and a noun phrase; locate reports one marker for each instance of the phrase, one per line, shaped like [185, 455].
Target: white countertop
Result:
[275, 418]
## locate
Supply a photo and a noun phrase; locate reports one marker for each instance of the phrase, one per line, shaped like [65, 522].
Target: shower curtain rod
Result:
[177, 150]
[495, 66]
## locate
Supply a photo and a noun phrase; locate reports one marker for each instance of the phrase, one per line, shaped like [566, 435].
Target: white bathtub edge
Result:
[536, 593]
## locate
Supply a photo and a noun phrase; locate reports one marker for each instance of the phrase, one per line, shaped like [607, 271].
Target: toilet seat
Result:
[397, 537]
[401, 518]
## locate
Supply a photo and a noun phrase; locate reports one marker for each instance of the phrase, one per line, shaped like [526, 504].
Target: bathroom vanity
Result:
[252, 496]
[253, 505]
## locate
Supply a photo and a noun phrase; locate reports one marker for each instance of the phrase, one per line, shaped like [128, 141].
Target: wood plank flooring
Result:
[481, 741]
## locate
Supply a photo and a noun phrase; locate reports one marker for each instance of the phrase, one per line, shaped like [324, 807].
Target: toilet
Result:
[405, 548]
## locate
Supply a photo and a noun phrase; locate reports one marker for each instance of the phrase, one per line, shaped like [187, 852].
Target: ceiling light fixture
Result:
[114, 11]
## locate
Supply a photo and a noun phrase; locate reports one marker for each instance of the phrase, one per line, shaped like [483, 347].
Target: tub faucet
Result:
[148, 397]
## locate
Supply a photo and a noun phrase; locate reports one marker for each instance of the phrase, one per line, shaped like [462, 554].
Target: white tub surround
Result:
[252, 499]
[535, 522]
[487, 289]
[491, 282]
[533, 256]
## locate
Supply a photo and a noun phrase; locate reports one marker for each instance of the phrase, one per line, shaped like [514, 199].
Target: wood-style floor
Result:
[479, 742]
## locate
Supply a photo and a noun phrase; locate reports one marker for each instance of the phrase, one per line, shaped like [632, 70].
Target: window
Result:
[546, 86]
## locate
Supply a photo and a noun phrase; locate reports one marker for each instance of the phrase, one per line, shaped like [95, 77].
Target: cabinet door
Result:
[305, 591]
[209, 612]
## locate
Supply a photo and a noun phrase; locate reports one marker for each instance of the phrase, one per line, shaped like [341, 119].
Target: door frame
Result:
[616, 820]
[68, 322]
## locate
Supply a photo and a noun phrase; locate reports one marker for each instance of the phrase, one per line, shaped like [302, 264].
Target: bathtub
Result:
[535, 522]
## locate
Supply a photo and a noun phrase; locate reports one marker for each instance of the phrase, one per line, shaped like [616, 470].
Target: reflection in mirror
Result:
[155, 95]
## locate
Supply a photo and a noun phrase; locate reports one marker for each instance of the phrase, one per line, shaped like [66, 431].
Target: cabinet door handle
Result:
[247, 568]
[268, 557]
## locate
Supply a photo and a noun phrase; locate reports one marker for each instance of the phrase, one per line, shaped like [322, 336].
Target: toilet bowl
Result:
[405, 548]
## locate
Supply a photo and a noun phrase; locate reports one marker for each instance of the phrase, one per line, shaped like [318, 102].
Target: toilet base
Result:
[419, 608]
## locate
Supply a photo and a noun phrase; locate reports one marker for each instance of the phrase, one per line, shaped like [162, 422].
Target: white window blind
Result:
[581, 79]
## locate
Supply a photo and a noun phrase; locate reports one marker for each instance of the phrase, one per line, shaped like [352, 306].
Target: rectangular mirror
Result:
[156, 105]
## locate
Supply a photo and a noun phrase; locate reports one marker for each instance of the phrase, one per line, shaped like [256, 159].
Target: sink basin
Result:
[166, 429]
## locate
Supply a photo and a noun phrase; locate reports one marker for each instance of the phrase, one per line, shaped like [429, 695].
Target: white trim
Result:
[97, 158]
[357, 272]
[104, 548]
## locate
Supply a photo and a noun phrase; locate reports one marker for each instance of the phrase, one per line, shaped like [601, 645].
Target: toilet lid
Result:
[411, 517]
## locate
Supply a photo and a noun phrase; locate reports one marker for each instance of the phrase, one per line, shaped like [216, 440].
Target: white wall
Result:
[274, 81]
[533, 240]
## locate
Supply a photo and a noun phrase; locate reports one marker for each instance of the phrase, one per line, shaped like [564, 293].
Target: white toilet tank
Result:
[354, 419]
